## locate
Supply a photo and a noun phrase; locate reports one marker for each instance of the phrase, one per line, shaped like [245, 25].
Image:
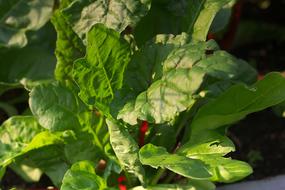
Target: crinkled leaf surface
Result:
[23, 142]
[119, 14]
[19, 16]
[82, 176]
[69, 46]
[176, 16]
[173, 85]
[158, 157]
[146, 64]
[22, 138]
[239, 101]
[126, 150]
[15, 134]
[144, 68]
[100, 73]
[163, 99]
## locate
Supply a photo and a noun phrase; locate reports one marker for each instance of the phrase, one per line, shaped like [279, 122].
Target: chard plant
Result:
[131, 91]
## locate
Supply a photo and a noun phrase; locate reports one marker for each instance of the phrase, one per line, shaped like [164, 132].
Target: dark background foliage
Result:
[260, 138]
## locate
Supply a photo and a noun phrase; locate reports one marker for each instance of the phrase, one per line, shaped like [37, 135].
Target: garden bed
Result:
[259, 138]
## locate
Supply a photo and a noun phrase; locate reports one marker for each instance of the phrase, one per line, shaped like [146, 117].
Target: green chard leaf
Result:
[118, 15]
[204, 186]
[158, 157]
[225, 170]
[172, 84]
[31, 64]
[144, 68]
[20, 16]
[100, 73]
[15, 134]
[210, 147]
[23, 140]
[205, 17]
[175, 16]
[162, 135]
[223, 17]
[82, 176]
[55, 107]
[126, 150]
[238, 101]
[69, 46]
[231, 106]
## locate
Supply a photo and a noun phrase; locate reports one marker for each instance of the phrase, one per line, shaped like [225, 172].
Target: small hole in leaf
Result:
[128, 30]
[209, 52]
[215, 144]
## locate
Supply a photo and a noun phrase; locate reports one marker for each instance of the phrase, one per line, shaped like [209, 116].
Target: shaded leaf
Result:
[55, 107]
[175, 16]
[239, 101]
[82, 15]
[144, 68]
[206, 15]
[179, 79]
[82, 176]
[162, 135]
[176, 187]
[222, 18]
[20, 16]
[25, 171]
[30, 63]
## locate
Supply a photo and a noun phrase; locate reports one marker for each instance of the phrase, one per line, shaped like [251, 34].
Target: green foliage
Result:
[239, 101]
[120, 64]
[68, 47]
[159, 157]
[173, 17]
[126, 150]
[17, 17]
[107, 56]
[82, 15]
[82, 176]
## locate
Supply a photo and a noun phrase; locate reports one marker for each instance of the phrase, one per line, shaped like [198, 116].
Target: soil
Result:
[260, 141]
[11, 179]
[260, 137]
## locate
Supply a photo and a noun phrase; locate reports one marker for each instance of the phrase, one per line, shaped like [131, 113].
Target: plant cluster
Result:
[135, 93]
